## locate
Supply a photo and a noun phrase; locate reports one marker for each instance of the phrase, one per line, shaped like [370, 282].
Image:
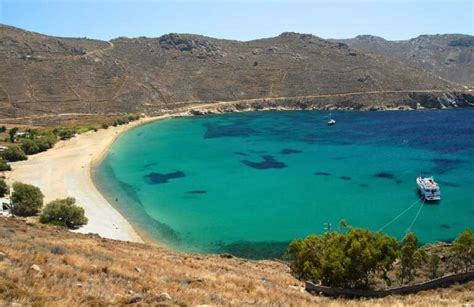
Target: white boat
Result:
[428, 188]
[331, 120]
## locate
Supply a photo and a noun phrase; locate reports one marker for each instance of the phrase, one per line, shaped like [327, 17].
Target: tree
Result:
[12, 154]
[343, 259]
[4, 166]
[12, 133]
[388, 248]
[3, 129]
[26, 199]
[463, 249]
[411, 257]
[104, 126]
[63, 212]
[4, 189]
[433, 265]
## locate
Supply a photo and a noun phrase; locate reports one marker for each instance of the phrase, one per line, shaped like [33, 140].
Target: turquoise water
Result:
[249, 183]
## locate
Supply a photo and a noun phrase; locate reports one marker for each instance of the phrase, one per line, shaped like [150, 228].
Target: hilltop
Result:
[450, 56]
[44, 75]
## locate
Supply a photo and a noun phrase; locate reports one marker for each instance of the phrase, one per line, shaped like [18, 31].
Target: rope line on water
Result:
[398, 216]
[416, 217]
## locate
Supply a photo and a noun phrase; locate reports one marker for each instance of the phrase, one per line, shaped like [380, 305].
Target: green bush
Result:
[463, 249]
[63, 212]
[12, 154]
[4, 189]
[343, 259]
[39, 144]
[26, 199]
[411, 258]
[4, 166]
[104, 126]
[64, 133]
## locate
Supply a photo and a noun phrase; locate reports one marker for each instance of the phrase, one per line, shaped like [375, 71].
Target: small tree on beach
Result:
[63, 212]
[26, 199]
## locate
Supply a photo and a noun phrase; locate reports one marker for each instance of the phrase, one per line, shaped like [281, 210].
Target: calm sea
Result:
[249, 183]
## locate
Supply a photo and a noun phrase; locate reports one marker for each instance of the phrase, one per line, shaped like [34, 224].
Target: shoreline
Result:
[66, 171]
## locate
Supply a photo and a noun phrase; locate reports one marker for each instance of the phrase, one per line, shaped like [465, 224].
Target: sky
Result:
[240, 19]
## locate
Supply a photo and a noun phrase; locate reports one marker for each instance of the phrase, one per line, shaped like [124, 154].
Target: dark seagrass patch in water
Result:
[159, 178]
[267, 163]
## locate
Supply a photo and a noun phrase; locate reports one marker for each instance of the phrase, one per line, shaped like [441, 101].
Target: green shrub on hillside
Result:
[63, 212]
[4, 189]
[12, 154]
[463, 249]
[411, 257]
[104, 126]
[4, 166]
[26, 199]
[343, 259]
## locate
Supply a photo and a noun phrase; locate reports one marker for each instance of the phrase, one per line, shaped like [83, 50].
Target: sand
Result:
[65, 171]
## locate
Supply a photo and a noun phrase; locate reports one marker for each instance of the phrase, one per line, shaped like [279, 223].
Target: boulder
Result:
[165, 296]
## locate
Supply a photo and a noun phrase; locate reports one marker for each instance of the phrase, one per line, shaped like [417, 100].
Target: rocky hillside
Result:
[40, 264]
[49, 75]
[450, 56]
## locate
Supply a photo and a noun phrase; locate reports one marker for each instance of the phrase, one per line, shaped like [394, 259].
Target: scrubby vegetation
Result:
[126, 119]
[359, 258]
[26, 199]
[65, 133]
[13, 154]
[4, 166]
[35, 141]
[38, 143]
[463, 251]
[4, 189]
[72, 269]
[63, 212]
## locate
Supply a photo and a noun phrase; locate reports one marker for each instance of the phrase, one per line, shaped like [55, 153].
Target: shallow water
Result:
[249, 183]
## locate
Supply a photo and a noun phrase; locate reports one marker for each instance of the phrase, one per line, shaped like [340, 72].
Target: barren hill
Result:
[450, 55]
[49, 75]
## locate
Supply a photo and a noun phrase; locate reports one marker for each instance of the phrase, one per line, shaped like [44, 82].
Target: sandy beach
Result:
[65, 171]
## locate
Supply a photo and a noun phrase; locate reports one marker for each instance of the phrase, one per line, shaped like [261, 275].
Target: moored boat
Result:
[331, 120]
[428, 188]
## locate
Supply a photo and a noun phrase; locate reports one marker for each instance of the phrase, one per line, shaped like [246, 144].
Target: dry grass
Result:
[87, 270]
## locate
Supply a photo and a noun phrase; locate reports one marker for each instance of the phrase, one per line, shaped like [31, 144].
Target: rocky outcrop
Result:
[184, 43]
